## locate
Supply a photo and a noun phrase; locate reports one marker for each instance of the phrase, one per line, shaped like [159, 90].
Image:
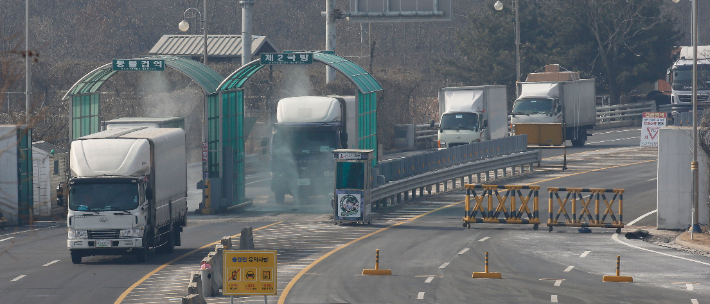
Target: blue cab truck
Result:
[307, 130]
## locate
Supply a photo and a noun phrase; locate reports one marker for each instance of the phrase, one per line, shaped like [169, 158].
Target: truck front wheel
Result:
[279, 197]
[142, 253]
[75, 257]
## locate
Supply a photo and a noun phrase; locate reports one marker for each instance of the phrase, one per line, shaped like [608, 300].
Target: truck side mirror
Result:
[668, 75]
[60, 196]
[343, 140]
[264, 141]
[431, 124]
[149, 193]
[484, 124]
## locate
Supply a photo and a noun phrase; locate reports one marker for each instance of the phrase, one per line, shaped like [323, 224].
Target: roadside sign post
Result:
[351, 200]
[650, 126]
[249, 272]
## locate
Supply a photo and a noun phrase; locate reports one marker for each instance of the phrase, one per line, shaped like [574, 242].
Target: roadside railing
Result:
[616, 113]
[411, 136]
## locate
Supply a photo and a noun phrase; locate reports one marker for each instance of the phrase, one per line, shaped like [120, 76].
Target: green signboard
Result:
[138, 65]
[287, 58]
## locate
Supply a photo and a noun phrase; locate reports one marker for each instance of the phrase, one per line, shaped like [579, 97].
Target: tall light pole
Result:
[499, 6]
[246, 30]
[694, 164]
[27, 61]
[184, 26]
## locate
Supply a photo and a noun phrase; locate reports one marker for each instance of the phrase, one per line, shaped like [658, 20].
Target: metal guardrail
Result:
[402, 168]
[411, 136]
[686, 118]
[607, 114]
[426, 170]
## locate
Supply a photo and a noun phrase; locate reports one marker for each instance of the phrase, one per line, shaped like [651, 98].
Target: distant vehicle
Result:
[127, 192]
[572, 102]
[680, 76]
[471, 114]
[308, 129]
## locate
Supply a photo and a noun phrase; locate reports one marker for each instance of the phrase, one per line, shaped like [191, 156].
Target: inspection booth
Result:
[351, 201]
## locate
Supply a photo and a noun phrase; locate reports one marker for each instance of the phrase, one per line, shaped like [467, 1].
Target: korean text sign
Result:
[249, 272]
[650, 126]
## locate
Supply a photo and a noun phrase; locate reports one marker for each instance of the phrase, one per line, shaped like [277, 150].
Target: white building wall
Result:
[675, 180]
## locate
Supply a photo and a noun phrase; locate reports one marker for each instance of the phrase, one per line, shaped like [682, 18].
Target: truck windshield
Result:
[532, 106]
[459, 121]
[683, 75]
[103, 197]
[301, 141]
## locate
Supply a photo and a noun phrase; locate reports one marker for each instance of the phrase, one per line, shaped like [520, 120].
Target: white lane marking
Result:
[584, 254]
[641, 217]
[429, 279]
[616, 238]
[31, 230]
[259, 181]
[483, 239]
[653, 179]
[444, 265]
[12, 237]
[420, 295]
[558, 283]
[553, 299]
[689, 286]
[18, 278]
[569, 268]
[694, 301]
[603, 141]
[50, 263]
[617, 131]
[464, 250]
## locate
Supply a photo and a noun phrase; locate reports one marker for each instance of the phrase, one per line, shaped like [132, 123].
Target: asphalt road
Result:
[36, 267]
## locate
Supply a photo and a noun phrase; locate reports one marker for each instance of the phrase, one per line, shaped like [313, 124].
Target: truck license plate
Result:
[103, 243]
[304, 181]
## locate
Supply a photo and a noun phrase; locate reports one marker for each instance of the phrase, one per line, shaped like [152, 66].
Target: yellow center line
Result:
[125, 293]
[284, 294]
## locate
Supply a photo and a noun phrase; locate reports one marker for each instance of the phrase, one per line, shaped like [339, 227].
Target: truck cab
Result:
[460, 128]
[680, 76]
[471, 114]
[537, 110]
[308, 129]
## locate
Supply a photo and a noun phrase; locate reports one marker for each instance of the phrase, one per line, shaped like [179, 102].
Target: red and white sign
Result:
[652, 123]
[204, 151]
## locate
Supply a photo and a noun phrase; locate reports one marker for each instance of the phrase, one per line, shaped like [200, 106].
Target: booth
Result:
[351, 201]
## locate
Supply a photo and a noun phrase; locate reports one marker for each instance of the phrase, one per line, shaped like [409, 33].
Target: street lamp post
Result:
[499, 6]
[184, 26]
[695, 227]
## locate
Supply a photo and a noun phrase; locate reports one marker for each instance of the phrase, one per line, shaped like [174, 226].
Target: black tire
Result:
[279, 197]
[76, 257]
[142, 253]
[169, 245]
[178, 238]
[581, 138]
[549, 229]
[535, 227]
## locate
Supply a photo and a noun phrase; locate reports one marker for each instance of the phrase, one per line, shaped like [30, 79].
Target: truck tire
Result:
[142, 253]
[279, 197]
[178, 240]
[169, 245]
[581, 138]
[75, 257]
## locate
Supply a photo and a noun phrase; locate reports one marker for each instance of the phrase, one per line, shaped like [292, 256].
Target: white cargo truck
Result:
[153, 122]
[308, 129]
[570, 102]
[127, 192]
[471, 114]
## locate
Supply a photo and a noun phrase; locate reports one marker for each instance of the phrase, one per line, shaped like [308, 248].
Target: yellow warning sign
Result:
[249, 272]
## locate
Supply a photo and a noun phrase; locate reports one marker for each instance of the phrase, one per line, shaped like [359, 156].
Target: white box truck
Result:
[308, 129]
[153, 122]
[127, 192]
[471, 114]
[570, 102]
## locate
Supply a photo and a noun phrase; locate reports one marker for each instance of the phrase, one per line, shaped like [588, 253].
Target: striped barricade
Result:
[585, 218]
[501, 214]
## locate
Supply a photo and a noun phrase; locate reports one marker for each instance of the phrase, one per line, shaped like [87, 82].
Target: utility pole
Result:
[329, 36]
[246, 30]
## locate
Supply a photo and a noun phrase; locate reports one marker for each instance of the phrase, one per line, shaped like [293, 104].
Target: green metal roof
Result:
[205, 77]
[363, 80]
